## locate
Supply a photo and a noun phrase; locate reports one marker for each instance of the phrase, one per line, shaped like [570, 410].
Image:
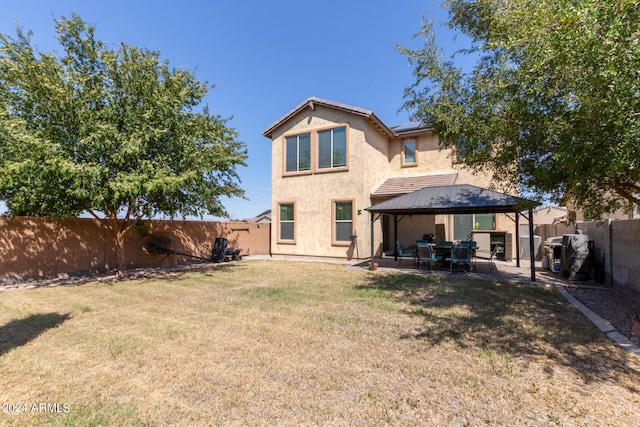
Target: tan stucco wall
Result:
[50, 247]
[314, 193]
[430, 159]
[412, 228]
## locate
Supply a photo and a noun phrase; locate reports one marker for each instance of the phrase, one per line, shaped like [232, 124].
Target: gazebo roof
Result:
[452, 199]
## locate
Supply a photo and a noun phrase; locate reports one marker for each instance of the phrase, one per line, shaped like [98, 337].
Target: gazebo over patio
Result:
[457, 199]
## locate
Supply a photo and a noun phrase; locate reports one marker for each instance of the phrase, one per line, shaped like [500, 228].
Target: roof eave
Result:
[414, 133]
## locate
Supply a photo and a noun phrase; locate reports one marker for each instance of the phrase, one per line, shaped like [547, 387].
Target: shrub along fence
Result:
[33, 247]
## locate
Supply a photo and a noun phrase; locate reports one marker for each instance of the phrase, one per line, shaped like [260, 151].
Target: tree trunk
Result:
[118, 244]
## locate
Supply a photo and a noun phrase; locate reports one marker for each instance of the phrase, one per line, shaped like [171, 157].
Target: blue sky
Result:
[265, 57]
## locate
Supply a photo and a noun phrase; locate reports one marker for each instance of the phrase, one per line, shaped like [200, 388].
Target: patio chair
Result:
[403, 253]
[497, 252]
[426, 254]
[492, 256]
[474, 247]
[461, 254]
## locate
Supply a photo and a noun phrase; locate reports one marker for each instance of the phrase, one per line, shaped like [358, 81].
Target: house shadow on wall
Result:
[19, 332]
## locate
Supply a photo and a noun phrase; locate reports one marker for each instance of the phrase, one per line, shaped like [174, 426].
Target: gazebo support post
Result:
[531, 246]
[518, 239]
[395, 236]
[373, 219]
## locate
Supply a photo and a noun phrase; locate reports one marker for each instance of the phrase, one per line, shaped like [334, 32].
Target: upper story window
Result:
[332, 148]
[321, 150]
[409, 155]
[298, 153]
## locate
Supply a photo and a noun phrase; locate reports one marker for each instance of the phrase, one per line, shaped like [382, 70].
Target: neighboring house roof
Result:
[261, 217]
[452, 199]
[311, 103]
[549, 214]
[407, 184]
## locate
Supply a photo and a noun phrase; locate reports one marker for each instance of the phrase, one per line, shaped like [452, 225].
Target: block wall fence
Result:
[51, 247]
[616, 246]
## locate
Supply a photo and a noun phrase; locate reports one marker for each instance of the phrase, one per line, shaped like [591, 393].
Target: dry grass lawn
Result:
[289, 343]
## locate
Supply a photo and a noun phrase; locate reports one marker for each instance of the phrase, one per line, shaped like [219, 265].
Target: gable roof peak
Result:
[314, 101]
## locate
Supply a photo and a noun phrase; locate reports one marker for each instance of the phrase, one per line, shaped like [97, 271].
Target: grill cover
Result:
[574, 262]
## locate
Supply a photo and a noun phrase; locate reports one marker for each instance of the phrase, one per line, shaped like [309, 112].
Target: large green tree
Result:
[552, 102]
[114, 132]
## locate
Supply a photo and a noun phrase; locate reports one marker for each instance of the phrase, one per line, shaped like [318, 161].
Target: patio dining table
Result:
[443, 250]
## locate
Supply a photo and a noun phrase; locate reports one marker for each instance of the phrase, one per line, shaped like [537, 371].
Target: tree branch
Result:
[621, 189]
[93, 214]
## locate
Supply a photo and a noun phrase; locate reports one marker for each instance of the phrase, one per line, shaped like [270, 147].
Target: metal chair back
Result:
[461, 254]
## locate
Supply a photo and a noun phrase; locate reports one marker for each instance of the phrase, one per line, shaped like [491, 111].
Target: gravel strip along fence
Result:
[609, 304]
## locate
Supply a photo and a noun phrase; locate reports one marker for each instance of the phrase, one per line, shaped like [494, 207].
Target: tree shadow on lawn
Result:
[523, 320]
[170, 273]
[19, 332]
[177, 272]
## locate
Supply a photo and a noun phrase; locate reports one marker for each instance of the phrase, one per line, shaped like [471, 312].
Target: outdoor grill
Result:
[553, 252]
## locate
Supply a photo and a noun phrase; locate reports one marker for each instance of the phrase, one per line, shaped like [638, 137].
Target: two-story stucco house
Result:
[330, 161]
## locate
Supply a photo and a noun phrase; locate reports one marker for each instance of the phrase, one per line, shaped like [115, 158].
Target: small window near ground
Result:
[287, 222]
[343, 221]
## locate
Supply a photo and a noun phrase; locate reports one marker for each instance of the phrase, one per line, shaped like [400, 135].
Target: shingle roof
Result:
[408, 184]
[449, 199]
